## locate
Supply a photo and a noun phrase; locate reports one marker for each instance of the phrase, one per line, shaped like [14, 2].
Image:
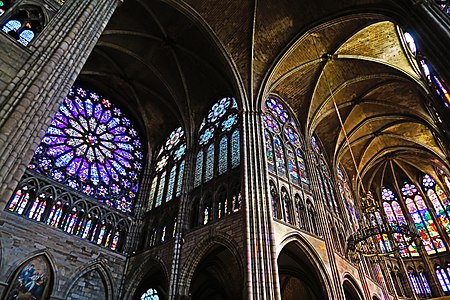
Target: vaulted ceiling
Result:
[350, 80]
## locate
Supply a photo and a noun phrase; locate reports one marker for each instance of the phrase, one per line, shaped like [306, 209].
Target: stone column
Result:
[30, 100]
[262, 270]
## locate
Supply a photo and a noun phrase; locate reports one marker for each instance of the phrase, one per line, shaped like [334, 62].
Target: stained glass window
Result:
[347, 198]
[223, 155]
[198, 169]
[283, 143]
[11, 25]
[160, 194]
[209, 171]
[180, 179]
[422, 219]
[172, 177]
[444, 278]
[19, 201]
[395, 216]
[218, 130]
[150, 294]
[170, 158]
[235, 149]
[92, 147]
[439, 200]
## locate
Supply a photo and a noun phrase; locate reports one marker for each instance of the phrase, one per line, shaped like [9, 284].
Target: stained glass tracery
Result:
[283, 143]
[169, 168]
[218, 141]
[438, 198]
[92, 147]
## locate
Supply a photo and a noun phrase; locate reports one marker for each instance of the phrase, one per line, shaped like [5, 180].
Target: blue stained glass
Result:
[198, 169]
[292, 135]
[223, 155]
[25, 37]
[235, 149]
[180, 152]
[269, 150]
[209, 170]
[301, 166]
[219, 109]
[291, 162]
[314, 144]
[90, 148]
[206, 136]
[180, 179]
[11, 25]
[150, 294]
[172, 176]
[229, 122]
[160, 194]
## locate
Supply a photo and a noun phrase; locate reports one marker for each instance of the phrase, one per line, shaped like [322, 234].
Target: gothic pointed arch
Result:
[93, 281]
[34, 278]
[300, 270]
[351, 289]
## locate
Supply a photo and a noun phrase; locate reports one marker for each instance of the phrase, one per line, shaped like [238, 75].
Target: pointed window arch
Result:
[347, 197]
[32, 280]
[169, 165]
[438, 198]
[218, 147]
[394, 215]
[422, 219]
[25, 22]
[283, 143]
[150, 294]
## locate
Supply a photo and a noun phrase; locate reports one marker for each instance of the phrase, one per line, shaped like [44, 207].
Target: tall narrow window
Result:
[209, 172]
[198, 169]
[347, 197]
[422, 219]
[444, 279]
[170, 158]
[394, 215]
[223, 155]
[439, 199]
[218, 135]
[283, 143]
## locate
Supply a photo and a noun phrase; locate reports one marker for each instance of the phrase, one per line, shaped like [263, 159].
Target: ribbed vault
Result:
[357, 71]
[161, 64]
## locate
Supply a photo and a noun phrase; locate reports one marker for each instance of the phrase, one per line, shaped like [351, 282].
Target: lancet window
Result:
[325, 181]
[284, 145]
[218, 148]
[169, 169]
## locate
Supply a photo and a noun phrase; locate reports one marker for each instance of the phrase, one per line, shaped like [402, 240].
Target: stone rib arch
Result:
[136, 276]
[201, 251]
[350, 285]
[312, 257]
[80, 273]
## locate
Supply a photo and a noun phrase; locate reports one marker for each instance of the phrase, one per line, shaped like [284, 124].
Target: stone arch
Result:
[141, 272]
[303, 261]
[236, 79]
[352, 290]
[39, 268]
[90, 274]
[224, 244]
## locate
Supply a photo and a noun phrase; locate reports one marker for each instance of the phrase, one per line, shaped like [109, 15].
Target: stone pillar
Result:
[176, 291]
[261, 278]
[324, 225]
[30, 100]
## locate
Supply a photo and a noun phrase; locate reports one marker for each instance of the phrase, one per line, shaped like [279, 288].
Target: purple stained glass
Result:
[272, 124]
[292, 135]
[89, 145]
[387, 194]
[219, 109]
[277, 109]
[428, 182]
[409, 189]
[314, 144]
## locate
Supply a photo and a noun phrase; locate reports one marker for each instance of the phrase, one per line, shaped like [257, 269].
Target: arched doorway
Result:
[299, 278]
[218, 276]
[351, 290]
[152, 286]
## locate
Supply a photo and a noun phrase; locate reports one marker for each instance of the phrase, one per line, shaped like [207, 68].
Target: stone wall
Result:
[77, 265]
